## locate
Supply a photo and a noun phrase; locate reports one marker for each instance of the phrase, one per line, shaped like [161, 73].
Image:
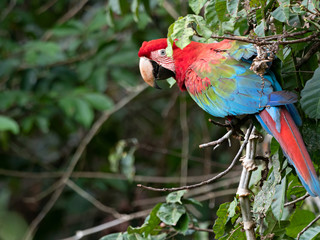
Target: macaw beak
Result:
[152, 71]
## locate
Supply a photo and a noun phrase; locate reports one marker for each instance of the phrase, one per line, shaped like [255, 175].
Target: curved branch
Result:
[220, 175]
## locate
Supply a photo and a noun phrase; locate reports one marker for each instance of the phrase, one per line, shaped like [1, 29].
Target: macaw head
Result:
[154, 63]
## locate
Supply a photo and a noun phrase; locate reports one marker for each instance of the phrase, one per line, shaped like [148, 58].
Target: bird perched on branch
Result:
[218, 78]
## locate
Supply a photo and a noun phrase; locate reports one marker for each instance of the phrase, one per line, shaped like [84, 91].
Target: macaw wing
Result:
[224, 86]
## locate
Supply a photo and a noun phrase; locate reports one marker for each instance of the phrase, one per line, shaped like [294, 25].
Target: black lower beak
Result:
[160, 73]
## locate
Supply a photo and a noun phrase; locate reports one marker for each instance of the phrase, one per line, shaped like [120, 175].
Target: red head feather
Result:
[148, 47]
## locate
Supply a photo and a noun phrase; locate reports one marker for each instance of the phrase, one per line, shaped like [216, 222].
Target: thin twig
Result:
[313, 49]
[170, 9]
[82, 233]
[262, 41]
[297, 200]
[201, 229]
[45, 7]
[7, 10]
[219, 141]
[76, 157]
[101, 175]
[92, 200]
[73, 11]
[307, 227]
[220, 175]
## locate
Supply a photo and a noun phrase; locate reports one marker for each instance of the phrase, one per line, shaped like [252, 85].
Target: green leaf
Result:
[151, 223]
[196, 5]
[299, 220]
[175, 197]
[42, 53]
[310, 97]
[220, 223]
[84, 113]
[274, 146]
[232, 208]
[191, 201]
[170, 213]
[98, 101]
[232, 6]
[182, 225]
[221, 9]
[277, 204]
[295, 188]
[263, 199]
[113, 236]
[8, 124]
[260, 29]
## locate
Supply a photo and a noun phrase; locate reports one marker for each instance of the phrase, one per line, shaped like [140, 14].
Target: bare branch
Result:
[297, 200]
[217, 142]
[220, 175]
[82, 233]
[267, 40]
[92, 200]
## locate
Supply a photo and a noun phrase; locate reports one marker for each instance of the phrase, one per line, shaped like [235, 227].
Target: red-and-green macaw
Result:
[218, 78]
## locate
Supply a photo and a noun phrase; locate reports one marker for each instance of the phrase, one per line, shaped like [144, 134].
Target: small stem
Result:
[243, 189]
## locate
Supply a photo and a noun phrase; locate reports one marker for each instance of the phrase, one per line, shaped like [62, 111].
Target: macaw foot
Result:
[234, 124]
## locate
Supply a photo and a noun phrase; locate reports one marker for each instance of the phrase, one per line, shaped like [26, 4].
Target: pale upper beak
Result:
[152, 71]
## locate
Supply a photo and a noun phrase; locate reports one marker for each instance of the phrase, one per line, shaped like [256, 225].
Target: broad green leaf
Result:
[151, 223]
[299, 220]
[232, 6]
[175, 197]
[232, 208]
[260, 29]
[274, 146]
[277, 204]
[170, 213]
[191, 201]
[98, 101]
[211, 16]
[220, 223]
[8, 124]
[221, 9]
[263, 199]
[196, 5]
[310, 97]
[42, 53]
[295, 188]
[83, 112]
[183, 224]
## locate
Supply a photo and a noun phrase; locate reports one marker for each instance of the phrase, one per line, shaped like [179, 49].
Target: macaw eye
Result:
[162, 52]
